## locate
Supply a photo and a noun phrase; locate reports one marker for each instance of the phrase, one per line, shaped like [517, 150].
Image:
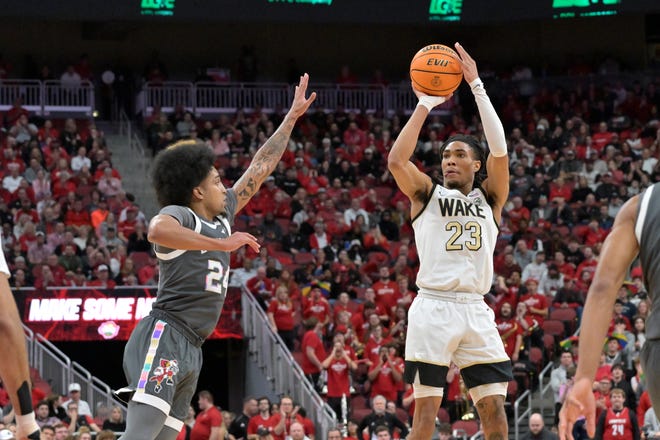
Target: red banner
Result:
[105, 314]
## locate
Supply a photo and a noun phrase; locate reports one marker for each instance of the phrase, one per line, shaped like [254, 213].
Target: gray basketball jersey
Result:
[193, 284]
[647, 231]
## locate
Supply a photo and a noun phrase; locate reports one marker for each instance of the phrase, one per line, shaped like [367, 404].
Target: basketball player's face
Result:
[214, 193]
[459, 166]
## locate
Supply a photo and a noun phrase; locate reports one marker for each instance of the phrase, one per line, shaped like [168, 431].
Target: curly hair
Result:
[478, 152]
[178, 169]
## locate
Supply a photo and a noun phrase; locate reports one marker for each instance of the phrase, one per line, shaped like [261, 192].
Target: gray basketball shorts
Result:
[162, 367]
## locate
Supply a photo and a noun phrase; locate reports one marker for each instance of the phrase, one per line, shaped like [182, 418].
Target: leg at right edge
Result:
[143, 422]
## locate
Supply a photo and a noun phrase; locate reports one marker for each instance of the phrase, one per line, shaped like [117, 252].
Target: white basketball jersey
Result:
[455, 236]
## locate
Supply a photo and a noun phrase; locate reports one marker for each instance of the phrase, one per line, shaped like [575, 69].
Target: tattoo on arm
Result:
[265, 161]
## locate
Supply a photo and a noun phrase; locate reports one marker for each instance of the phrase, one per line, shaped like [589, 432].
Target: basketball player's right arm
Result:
[270, 153]
[411, 181]
[165, 230]
[14, 371]
[497, 164]
[619, 251]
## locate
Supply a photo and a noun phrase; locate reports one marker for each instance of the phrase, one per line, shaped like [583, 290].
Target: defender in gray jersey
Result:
[192, 239]
[455, 230]
[636, 231]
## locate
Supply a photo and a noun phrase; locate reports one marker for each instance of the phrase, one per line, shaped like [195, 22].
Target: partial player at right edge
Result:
[636, 231]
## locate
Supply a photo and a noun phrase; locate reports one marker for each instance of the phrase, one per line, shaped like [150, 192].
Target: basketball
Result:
[435, 70]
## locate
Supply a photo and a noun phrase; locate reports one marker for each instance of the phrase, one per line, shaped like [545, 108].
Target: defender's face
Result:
[458, 165]
[215, 193]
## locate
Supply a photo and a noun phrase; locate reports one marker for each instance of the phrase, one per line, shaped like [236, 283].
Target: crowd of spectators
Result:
[66, 219]
[336, 272]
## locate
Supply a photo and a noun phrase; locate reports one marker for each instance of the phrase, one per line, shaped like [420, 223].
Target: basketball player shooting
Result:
[192, 238]
[636, 231]
[455, 228]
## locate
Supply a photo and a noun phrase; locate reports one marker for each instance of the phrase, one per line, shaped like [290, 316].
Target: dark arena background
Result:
[137, 58]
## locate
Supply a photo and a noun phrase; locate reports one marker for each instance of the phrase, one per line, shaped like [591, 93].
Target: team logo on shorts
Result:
[164, 372]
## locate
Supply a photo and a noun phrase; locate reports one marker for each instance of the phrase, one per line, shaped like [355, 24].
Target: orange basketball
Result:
[435, 70]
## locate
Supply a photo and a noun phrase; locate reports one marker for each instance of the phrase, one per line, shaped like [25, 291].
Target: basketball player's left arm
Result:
[496, 184]
[268, 156]
[497, 165]
[619, 251]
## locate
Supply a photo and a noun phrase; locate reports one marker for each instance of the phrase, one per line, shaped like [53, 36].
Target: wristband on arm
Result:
[431, 101]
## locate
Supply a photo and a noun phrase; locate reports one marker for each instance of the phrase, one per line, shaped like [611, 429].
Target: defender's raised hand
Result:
[300, 103]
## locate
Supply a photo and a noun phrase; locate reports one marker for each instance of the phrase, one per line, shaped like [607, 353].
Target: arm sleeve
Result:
[493, 128]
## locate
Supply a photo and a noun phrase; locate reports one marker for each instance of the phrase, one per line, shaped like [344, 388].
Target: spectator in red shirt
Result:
[46, 278]
[315, 305]
[53, 263]
[385, 375]
[505, 264]
[262, 422]
[343, 304]
[537, 304]
[148, 274]
[27, 208]
[588, 264]
[313, 351]
[406, 296]
[602, 395]
[375, 342]
[354, 137]
[282, 421]
[517, 213]
[566, 268]
[594, 234]
[510, 331]
[381, 310]
[506, 290]
[601, 138]
[209, 424]
[126, 227]
[280, 316]
[387, 291]
[559, 188]
[319, 239]
[339, 365]
[374, 240]
[78, 216]
[308, 426]
[261, 287]
[47, 133]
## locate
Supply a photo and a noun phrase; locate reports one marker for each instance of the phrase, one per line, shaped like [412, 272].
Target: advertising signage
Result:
[84, 314]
